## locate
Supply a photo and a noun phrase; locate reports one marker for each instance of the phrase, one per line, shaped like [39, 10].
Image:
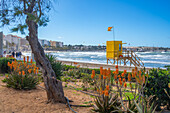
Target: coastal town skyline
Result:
[72, 23]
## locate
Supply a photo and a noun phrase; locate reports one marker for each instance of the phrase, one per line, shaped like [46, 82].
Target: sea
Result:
[150, 59]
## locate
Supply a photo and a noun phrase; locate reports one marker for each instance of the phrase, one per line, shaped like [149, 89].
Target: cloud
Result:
[60, 37]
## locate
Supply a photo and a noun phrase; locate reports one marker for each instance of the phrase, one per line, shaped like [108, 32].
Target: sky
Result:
[136, 22]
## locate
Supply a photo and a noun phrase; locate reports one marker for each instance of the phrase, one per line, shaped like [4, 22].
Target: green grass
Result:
[1, 74]
[133, 84]
[129, 94]
[87, 102]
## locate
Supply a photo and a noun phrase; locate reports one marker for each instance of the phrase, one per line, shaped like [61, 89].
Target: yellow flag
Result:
[109, 28]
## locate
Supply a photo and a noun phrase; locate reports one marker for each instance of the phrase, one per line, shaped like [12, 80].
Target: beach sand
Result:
[98, 65]
[35, 101]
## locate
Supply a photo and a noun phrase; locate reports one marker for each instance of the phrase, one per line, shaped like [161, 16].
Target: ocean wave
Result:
[157, 62]
[154, 56]
[149, 58]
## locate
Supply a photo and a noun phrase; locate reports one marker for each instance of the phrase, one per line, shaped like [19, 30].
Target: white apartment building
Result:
[44, 42]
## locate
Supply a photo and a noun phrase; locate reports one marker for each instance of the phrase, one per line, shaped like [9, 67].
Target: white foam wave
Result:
[157, 62]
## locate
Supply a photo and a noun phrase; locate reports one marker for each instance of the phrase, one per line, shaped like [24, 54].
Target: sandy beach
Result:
[98, 65]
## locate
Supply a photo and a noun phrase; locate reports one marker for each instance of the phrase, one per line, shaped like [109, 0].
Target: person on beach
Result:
[20, 54]
[13, 54]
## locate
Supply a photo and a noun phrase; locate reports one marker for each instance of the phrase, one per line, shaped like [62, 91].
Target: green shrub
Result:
[4, 64]
[158, 81]
[23, 76]
[25, 82]
[65, 78]
[57, 66]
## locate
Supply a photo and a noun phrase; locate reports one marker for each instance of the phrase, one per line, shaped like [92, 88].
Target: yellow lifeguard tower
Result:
[114, 51]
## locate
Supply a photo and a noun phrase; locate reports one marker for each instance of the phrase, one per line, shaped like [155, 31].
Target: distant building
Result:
[56, 44]
[23, 43]
[44, 42]
[12, 40]
[59, 44]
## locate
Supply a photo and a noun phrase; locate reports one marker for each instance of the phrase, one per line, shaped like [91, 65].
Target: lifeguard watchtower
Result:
[114, 52]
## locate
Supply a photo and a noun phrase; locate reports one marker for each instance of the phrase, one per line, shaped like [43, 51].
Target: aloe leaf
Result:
[155, 109]
[139, 109]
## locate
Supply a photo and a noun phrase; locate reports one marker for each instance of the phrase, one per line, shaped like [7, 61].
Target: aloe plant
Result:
[110, 104]
[131, 107]
[145, 107]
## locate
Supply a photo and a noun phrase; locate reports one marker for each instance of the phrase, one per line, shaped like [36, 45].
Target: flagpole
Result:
[114, 42]
[113, 34]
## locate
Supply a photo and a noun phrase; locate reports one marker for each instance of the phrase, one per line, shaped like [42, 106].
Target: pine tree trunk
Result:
[53, 87]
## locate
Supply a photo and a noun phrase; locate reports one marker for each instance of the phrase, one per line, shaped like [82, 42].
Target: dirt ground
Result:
[35, 101]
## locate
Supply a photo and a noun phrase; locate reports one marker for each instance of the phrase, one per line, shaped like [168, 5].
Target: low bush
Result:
[4, 64]
[158, 81]
[57, 66]
[23, 75]
[107, 87]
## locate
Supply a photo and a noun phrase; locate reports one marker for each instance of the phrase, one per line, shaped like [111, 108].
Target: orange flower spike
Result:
[123, 74]
[117, 71]
[129, 77]
[136, 68]
[125, 85]
[93, 72]
[31, 61]
[107, 87]
[24, 59]
[27, 58]
[116, 66]
[37, 71]
[125, 71]
[23, 72]
[8, 63]
[104, 77]
[118, 76]
[92, 76]
[103, 92]
[11, 66]
[6, 76]
[115, 77]
[120, 79]
[106, 93]
[109, 72]
[34, 71]
[105, 72]
[29, 71]
[124, 80]
[120, 82]
[101, 70]
[100, 77]
[132, 75]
